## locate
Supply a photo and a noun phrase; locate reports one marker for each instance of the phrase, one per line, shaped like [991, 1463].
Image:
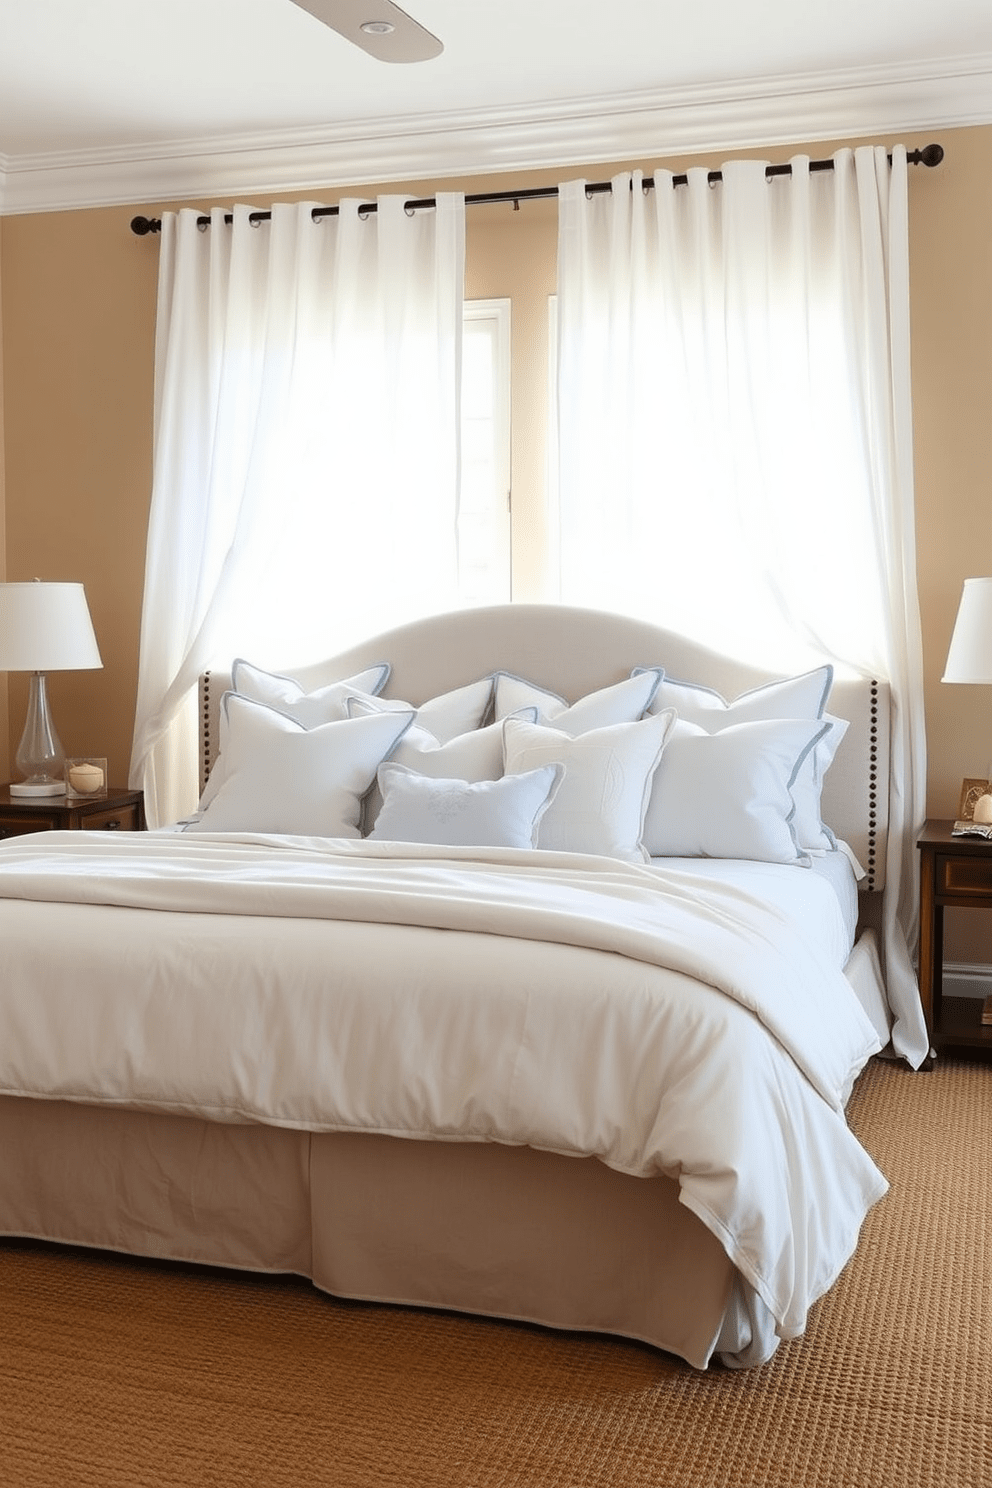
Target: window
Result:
[484, 507]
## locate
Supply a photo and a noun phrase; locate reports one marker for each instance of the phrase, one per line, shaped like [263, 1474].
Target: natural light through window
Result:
[484, 507]
[718, 503]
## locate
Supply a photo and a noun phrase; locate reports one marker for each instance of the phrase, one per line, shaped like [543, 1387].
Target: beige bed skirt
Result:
[506, 1232]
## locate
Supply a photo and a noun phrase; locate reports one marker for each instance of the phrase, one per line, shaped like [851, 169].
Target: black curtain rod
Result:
[930, 155]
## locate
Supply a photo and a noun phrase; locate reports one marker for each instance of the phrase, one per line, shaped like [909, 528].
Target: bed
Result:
[559, 1076]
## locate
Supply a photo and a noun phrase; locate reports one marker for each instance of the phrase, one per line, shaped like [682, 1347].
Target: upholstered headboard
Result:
[574, 651]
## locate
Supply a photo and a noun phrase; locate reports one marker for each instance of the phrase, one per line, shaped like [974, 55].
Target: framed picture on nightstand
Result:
[970, 792]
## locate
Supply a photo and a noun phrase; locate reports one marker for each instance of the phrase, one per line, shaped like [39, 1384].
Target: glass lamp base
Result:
[40, 756]
[38, 788]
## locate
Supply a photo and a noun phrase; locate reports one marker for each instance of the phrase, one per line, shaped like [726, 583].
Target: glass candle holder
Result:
[85, 778]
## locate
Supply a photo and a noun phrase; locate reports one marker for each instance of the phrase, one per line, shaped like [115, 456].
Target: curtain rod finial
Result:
[142, 225]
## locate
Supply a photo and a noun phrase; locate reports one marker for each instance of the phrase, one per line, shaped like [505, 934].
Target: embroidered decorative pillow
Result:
[601, 802]
[460, 813]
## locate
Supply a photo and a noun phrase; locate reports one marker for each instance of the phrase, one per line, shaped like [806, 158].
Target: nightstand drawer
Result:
[19, 826]
[964, 875]
[114, 819]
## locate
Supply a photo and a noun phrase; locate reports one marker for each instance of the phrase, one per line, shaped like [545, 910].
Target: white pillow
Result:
[602, 799]
[447, 716]
[804, 696]
[326, 704]
[281, 777]
[477, 755]
[729, 794]
[623, 702]
[461, 813]
[812, 831]
[473, 756]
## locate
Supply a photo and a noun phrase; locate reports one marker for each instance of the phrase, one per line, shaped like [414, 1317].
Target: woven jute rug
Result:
[123, 1374]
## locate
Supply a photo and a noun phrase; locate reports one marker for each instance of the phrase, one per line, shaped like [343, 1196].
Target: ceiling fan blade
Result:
[394, 36]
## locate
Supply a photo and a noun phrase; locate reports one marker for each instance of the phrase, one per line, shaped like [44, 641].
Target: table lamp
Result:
[969, 657]
[43, 628]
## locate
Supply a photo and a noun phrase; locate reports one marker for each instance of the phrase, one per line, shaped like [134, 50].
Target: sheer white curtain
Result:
[306, 450]
[734, 438]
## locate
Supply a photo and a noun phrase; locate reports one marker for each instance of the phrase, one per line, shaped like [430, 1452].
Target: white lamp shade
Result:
[969, 658]
[46, 628]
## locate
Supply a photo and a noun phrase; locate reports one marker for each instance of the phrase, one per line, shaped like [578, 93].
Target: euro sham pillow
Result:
[326, 704]
[802, 696]
[622, 702]
[449, 714]
[446, 716]
[278, 776]
[460, 813]
[729, 794]
[601, 802]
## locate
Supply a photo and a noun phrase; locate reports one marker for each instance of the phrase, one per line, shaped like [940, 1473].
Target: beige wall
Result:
[78, 334]
[77, 307]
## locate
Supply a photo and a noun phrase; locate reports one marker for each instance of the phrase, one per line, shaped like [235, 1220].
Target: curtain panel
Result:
[306, 450]
[734, 439]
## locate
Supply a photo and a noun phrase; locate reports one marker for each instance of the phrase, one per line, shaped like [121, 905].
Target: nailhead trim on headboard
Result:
[207, 754]
[873, 786]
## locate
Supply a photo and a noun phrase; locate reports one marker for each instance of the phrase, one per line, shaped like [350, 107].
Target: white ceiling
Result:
[128, 100]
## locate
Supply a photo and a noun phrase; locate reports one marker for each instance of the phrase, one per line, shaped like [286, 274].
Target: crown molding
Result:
[953, 93]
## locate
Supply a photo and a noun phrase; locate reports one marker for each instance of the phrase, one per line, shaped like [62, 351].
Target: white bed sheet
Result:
[785, 884]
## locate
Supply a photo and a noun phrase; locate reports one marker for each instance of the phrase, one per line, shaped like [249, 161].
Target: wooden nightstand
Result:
[116, 811]
[953, 871]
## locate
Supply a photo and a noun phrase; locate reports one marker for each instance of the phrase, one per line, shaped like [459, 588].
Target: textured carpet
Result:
[127, 1375]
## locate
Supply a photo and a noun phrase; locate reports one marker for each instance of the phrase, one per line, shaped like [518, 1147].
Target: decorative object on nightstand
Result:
[85, 778]
[44, 628]
[974, 818]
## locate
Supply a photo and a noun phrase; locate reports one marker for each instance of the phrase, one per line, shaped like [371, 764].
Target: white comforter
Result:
[660, 1022]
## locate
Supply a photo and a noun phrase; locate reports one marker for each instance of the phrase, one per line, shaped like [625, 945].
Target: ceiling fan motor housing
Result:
[378, 27]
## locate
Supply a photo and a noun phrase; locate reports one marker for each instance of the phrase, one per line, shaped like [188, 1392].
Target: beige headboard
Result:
[573, 651]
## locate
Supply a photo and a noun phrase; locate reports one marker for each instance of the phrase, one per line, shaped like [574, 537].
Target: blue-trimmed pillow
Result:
[729, 794]
[462, 813]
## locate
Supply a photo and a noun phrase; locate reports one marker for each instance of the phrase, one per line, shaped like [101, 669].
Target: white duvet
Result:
[656, 1019]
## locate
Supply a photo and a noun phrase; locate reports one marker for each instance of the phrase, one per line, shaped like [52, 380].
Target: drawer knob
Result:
[112, 826]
